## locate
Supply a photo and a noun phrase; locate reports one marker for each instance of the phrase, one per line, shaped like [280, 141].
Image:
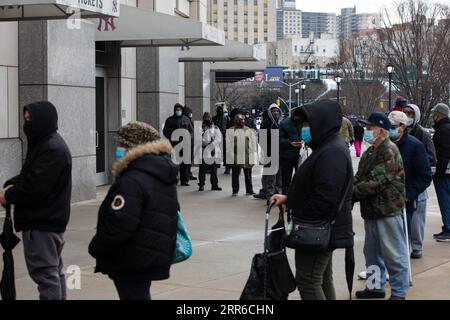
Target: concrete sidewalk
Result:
[226, 233]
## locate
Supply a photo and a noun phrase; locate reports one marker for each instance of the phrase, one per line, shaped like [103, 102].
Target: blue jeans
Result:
[385, 248]
[442, 186]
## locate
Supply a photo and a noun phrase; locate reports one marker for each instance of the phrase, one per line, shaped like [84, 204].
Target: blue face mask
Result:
[306, 135]
[120, 153]
[369, 137]
[394, 133]
[179, 113]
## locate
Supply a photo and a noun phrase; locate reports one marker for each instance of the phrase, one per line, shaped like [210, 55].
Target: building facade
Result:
[299, 53]
[96, 86]
[247, 21]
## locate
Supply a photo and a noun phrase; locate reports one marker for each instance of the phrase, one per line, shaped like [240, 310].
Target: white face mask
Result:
[410, 122]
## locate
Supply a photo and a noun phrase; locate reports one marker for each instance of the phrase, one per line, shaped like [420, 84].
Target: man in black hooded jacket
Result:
[321, 191]
[175, 122]
[41, 195]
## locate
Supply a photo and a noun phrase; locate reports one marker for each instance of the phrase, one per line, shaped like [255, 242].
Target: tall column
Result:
[58, 64]
[198, 88]
[157, 77]
[10, 144]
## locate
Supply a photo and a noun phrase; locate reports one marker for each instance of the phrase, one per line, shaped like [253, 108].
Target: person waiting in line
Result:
[221, 120]
[420, 212]
[321, 191]
[175, 122]
[346, 132]
[418, 176]
[271, 184]
[137, 221]
[241, 141]
[290, 145]
[380, 188]
[41, 194]
[249, 120]
[210, 158]
[441, 179]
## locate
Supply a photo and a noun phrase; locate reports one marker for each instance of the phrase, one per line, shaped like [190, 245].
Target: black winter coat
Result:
[441, 140]
[269, 123]
[173, 123]
[289, 132]
[326, 177]
[425, 137]
[137, 221]
[41, 193]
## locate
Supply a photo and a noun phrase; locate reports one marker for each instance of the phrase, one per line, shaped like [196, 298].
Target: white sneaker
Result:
[363, 276]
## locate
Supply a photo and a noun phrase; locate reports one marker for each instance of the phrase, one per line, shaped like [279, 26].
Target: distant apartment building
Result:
[291, 21]
[288, 4]
[351, 23]
[247, 21]
[319, 23]
[296, 52]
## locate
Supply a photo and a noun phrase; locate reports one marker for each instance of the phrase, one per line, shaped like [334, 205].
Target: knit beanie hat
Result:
[136, 133]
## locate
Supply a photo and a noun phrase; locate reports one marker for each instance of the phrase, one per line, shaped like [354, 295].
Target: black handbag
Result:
[312, 236]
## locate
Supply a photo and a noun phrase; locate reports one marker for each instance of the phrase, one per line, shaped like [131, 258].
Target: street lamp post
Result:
[290, 85]
[390, 70]
[303, 86]
[338, 80]
[297, 91]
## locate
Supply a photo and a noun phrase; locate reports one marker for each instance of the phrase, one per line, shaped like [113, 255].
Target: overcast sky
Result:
[362, 6]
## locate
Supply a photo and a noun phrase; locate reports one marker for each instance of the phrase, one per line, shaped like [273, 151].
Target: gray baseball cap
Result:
[441, 108]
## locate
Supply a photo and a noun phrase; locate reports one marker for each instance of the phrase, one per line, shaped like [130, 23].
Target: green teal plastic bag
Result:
[183, 249]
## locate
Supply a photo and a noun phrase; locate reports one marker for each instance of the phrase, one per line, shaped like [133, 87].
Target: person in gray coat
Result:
[419, 215]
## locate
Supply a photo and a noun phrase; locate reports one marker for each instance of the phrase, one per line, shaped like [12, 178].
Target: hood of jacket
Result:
[153, 159]
[219, 111]
[325, 119]
[269, 113]
[417, 113]
[177, 106]
[44, 121]
[187, 111]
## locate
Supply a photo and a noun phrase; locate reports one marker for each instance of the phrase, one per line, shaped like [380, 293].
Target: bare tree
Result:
[227, 92]
[416, 41]
[362, 71]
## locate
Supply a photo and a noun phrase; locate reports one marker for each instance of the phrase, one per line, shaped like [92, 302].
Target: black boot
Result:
[367, 294]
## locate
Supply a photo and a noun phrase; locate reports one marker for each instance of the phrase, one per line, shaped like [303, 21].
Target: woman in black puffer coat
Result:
[137, 221]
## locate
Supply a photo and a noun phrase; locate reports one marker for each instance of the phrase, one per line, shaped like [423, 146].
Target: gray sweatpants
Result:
[418, 223]
[44, 263]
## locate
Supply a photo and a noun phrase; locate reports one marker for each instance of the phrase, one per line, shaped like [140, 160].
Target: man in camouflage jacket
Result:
[380, 187]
